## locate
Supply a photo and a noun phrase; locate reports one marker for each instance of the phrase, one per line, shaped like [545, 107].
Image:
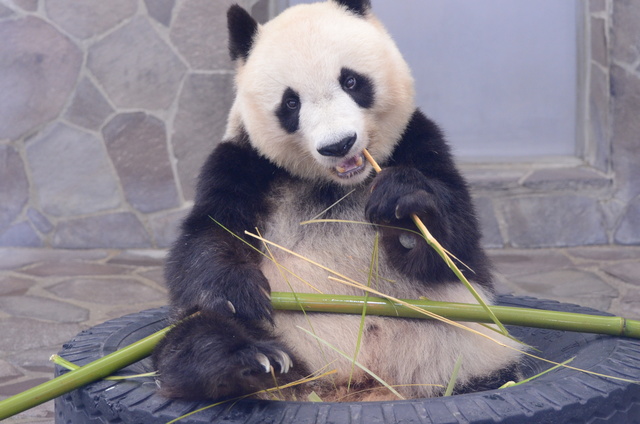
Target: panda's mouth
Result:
[350, 167]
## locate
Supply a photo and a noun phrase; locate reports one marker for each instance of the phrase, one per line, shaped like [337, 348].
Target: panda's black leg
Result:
[490, 382]
[212, 356]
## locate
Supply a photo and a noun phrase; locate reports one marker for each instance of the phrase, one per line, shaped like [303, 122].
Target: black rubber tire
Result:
[561, 396]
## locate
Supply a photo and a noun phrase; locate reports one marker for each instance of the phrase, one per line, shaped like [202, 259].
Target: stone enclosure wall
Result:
[109, 108]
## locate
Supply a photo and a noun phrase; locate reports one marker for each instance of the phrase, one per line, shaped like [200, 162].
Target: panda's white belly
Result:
[398, 350]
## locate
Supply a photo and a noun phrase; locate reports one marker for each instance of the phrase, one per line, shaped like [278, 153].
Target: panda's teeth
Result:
[351, 166]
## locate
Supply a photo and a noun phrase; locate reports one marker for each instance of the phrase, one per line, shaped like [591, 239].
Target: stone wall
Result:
[110, 107]
[107, 112]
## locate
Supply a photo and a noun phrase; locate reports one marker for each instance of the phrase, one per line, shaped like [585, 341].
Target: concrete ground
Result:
[47, 296]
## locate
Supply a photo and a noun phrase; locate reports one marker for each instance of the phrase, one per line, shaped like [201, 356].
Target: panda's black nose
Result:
[339, 149]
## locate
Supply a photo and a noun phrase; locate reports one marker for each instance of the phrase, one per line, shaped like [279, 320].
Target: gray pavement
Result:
[47, 296]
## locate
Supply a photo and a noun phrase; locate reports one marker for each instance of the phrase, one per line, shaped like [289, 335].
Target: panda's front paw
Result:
[212, 356]
[240, 292]
[398, 193]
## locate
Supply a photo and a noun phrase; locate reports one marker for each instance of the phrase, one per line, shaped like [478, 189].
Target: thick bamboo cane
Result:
[103, 367]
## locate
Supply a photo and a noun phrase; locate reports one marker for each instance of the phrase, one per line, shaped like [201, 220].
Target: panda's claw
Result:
[284, 361]
[264, 361]
[231, 307]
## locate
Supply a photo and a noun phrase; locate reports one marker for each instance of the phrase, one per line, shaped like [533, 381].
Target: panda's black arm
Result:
[207, 267]
[421, 178]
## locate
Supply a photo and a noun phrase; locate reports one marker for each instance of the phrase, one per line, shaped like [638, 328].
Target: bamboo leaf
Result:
[454, 377]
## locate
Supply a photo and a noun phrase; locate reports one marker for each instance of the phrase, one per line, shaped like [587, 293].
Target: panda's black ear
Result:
[359, 7]
[242, 29]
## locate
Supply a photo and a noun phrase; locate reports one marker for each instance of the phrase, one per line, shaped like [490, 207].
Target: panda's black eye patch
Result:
[358, 86]
[288, 112]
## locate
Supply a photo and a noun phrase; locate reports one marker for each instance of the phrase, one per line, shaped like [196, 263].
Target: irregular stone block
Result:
[36, 360]
[20, 235]
[480, 178]
[21, 386]
[8, 371]
[165, 226]
[137, 144]
[136, 68]
[117, 230]
[28, 5]
[566, 179]
[5, 11]
[597, 6]
[160, 10]
[260, 10]
[628, 232]
[89, 18]
[599, 50]
[40, 333]
[199, 124]
[140, 258]
[625, 137]
[629, 306]
[39, 221]
[106, 291]
[12, 286]
[14, 186]
[14, 259]
[520, 262]
[39, 68]
[629, 272]
[491, 237]
[598, 151]
[42, 308]
[625, 46]
[88, 108]
[71, 172]
[600, 254]
[197, 35]
[70, 268]
[553, 220]
[569, 285]
[155, 275]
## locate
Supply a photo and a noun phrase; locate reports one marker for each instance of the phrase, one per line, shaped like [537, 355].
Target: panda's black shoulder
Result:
[235, 166]
[232, 187]
[423, 145]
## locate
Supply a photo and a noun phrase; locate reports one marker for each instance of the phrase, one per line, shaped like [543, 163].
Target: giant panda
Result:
[316, 86]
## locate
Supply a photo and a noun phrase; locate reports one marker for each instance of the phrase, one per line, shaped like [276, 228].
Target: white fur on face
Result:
[305, 49]
[328, 120]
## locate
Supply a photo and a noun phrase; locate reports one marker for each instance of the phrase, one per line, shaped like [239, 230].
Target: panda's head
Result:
[317, 85]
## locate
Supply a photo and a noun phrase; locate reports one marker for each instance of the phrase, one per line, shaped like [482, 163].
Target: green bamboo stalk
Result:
[527, 317]
[107, 365]
[100, 368]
